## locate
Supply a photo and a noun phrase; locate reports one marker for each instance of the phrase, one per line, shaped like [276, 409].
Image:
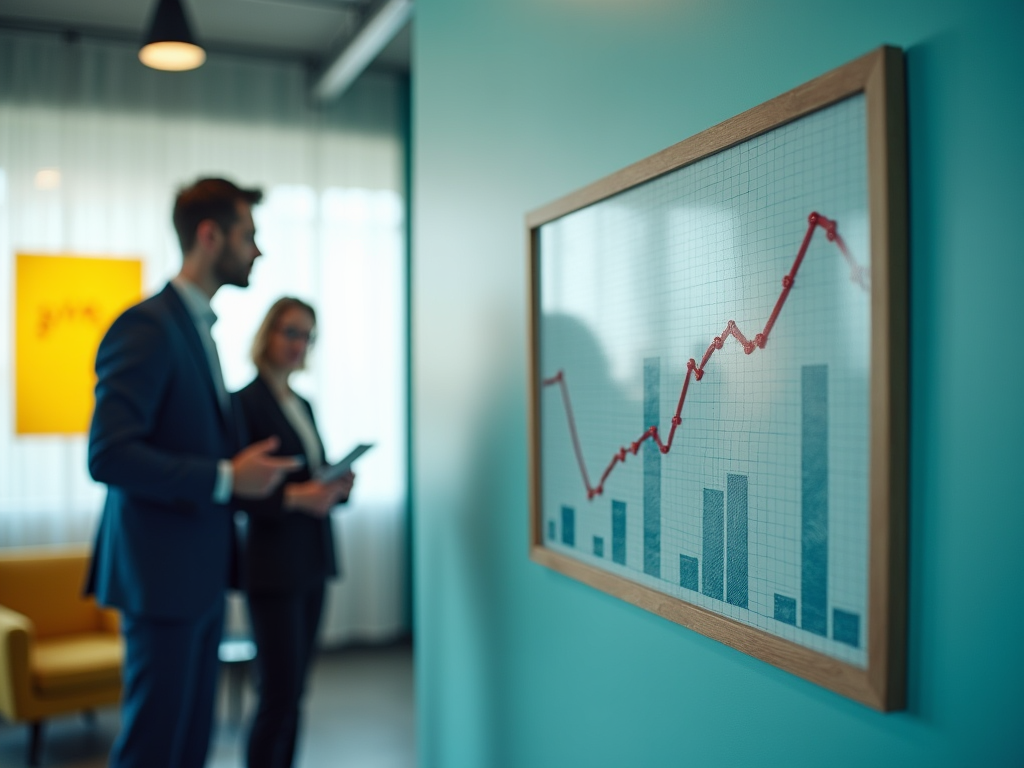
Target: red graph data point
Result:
[858, 276]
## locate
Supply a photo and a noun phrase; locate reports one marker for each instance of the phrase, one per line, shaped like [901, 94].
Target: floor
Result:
[359, 712]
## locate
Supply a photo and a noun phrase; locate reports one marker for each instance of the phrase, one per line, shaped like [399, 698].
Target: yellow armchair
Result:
[59, 651]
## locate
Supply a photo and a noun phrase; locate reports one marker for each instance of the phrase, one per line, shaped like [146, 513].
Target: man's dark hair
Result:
[214, 199]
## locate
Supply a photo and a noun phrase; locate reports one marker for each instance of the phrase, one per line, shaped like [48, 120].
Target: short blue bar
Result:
[688, 572]
[551, 530]
[619, 532]
[785, 609]
[846, 627]
[569, 526]
[599, 546]
[713, 582]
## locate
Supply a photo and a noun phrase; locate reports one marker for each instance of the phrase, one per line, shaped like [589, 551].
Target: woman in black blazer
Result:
[288, 551]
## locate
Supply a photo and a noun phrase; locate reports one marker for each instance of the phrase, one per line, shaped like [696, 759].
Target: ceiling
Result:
[313, 31]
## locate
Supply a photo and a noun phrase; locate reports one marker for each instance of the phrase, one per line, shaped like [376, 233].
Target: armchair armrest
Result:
[16, 634]
[110, 620]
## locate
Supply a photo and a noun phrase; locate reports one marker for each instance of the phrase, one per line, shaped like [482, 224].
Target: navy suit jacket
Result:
[283, 552]
[164, 549]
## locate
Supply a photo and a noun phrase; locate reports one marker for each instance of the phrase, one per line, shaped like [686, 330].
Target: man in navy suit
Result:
[165, 439]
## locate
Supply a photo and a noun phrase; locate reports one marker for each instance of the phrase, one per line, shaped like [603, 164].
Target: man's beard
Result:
[229, 271]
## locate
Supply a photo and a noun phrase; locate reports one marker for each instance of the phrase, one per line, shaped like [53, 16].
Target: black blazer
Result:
[282, 551]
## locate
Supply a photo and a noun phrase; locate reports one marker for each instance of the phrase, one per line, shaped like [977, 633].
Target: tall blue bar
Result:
[688, 572]
[619, 532]
[785, 609]
[814, 499]
[569, 526]
[737, 555]
[714, 543]
[846, 627]
[652, 469]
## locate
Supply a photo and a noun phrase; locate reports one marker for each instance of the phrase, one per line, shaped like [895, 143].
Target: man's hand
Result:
[256, 472]
[316, 498]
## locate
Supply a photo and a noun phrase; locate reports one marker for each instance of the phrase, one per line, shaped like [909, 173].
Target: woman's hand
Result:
[316, 498]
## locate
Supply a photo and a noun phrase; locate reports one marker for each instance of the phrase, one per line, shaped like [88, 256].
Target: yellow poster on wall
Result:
[63, 306]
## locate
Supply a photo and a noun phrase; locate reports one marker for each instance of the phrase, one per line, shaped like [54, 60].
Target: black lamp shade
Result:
[169, 24]
[169, 43]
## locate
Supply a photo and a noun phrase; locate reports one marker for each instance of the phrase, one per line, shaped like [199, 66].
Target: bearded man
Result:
[166, 441]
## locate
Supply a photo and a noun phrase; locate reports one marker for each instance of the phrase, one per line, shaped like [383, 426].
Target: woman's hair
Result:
[269, 324]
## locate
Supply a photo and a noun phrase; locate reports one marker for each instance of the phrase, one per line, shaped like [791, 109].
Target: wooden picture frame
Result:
[654, 210]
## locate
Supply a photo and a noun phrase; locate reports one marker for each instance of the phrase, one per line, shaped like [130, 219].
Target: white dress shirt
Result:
[298, 417]
[203, 317]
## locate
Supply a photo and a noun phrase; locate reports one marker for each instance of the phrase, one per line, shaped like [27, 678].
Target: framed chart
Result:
[718, 366]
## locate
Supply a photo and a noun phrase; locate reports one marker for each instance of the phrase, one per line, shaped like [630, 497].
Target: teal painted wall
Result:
[517, 103]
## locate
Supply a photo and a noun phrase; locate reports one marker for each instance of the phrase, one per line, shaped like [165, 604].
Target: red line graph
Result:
[858, 275]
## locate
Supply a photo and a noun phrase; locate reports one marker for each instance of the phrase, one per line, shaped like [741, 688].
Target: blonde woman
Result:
[288, 552]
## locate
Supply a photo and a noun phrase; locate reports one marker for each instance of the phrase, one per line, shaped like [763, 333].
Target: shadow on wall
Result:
[493, 524]
[924, 77]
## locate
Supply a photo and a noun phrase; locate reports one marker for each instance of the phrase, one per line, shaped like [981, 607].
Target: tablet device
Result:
[332, 472]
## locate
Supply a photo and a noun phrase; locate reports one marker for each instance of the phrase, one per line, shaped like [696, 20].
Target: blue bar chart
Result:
[721, 570]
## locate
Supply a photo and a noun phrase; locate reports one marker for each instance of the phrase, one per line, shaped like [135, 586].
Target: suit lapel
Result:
[280, 425]
[281, 422]
[187, 327]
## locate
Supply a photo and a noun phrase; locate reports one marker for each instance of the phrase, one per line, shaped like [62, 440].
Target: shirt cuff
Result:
[225, 482]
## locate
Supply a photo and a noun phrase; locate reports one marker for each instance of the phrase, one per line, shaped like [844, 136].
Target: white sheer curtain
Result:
[118, 141]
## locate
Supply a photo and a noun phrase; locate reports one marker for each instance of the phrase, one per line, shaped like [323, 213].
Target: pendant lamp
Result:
[170, 45]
